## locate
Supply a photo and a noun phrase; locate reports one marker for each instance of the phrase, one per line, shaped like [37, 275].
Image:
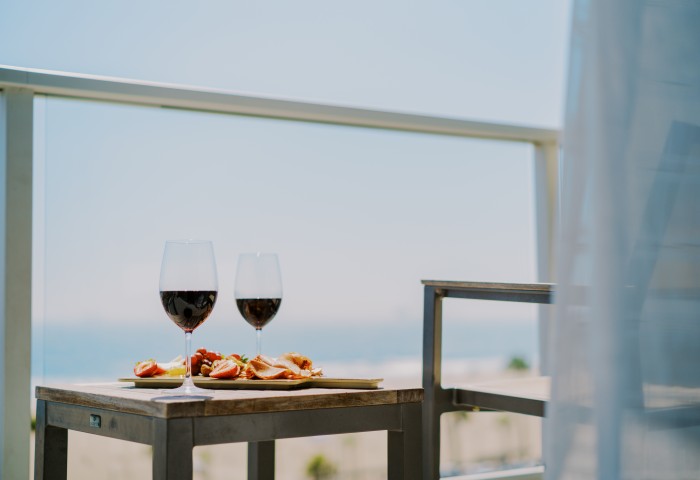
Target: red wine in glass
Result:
[258, 290]
[187, 308]
[258, 311]
[188, 290]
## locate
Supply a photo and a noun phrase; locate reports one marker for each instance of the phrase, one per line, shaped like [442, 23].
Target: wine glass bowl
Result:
[188, 291]
[258, 290]
[188, 309]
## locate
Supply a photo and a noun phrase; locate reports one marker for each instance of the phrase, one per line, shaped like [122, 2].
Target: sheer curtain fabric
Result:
[625, 343]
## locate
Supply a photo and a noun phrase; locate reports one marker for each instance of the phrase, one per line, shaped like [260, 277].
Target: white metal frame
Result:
[16, 127]
[220, 101]
[18, 87]
[547, 210]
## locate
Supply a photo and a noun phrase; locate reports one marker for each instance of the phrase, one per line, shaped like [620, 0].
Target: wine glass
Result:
[258, 290]
[188, 290]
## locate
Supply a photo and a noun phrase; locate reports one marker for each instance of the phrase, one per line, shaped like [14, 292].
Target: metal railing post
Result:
[546, 220]
[16, 132]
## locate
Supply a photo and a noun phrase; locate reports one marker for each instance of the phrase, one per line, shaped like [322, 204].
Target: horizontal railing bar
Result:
[501, 296]
[498, 401]
[506, 292]
[455, 285]
[95, 87]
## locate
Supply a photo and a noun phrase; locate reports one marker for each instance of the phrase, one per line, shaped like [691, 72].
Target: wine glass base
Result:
[187, 390]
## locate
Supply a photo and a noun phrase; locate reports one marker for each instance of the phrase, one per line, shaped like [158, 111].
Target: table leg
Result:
[261, 460]
[431, 434]
[50, 448]
[173, 441]
[405, 458]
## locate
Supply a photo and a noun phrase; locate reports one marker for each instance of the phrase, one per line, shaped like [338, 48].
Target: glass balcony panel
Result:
[357, 215]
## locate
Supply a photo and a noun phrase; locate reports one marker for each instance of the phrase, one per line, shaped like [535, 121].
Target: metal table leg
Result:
[49, 463]
[173, 442]
[261, 460]
[405, 459]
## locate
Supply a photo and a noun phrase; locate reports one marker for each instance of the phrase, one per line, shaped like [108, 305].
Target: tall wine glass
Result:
[188, 290]
[258, 290]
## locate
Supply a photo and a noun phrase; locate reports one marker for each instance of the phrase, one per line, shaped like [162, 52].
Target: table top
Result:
[123, 397]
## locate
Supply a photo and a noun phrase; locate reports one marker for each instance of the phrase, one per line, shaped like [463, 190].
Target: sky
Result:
[501, 60]
[358, 216]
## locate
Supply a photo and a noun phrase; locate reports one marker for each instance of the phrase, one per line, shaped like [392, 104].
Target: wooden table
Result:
[175, 425]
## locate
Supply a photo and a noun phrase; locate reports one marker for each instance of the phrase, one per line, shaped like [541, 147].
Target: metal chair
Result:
[525, 397]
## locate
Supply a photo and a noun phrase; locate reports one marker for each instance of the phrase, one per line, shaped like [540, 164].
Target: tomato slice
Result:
[146, 369]
[225, 369]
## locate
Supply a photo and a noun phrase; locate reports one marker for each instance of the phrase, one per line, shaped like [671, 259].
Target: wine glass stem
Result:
[258, 333]
[188, 359]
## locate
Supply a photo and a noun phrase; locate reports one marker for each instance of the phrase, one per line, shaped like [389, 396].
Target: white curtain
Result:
[625, 343]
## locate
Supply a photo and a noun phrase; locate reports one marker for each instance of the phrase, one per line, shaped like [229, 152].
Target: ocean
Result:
[94, 351]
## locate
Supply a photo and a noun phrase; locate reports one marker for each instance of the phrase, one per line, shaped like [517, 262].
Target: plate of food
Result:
[213, 370]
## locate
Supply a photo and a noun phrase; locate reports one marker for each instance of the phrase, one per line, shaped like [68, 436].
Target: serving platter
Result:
[241, 383]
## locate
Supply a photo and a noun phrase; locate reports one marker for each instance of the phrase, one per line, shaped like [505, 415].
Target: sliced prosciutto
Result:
[297, 366]
[289, 365]
[258, 368]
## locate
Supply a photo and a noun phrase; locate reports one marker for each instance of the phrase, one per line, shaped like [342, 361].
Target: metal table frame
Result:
[439, 400]
[173, 439]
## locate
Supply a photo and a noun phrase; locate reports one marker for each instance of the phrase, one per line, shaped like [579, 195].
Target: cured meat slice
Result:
[260, 369]
[304, 363]
[292, 368]
[298, 365]
[288, 365]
